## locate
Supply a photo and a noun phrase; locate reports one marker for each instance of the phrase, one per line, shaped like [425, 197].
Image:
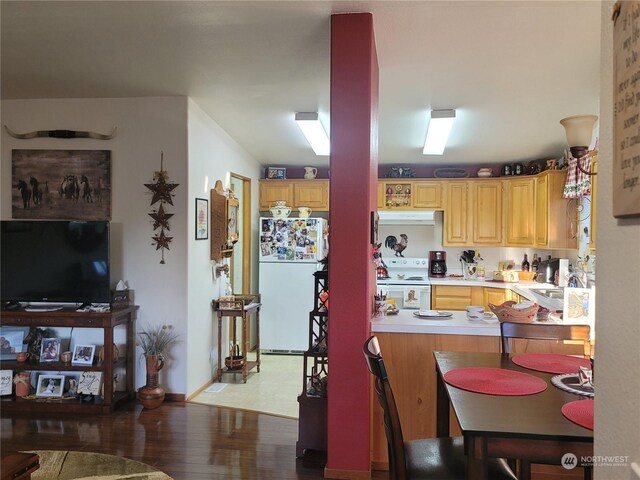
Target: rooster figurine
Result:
[398, 247]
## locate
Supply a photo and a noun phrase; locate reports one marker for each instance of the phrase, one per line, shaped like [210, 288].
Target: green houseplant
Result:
[155, 342]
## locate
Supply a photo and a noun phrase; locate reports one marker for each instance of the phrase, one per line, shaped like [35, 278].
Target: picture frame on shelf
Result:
[6, 382]
[50, 350]
[50, 385]
[90, 383]
[11, 339]
[83, 355]
[202, 219]
[276, 173]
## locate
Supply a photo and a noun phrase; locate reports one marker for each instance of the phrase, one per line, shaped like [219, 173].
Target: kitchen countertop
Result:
[525, 289]
[457, 324]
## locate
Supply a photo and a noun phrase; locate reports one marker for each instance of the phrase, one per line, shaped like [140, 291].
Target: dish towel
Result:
[411, 297]
[578, 183]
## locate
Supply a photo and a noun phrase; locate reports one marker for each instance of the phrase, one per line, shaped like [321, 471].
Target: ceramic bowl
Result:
[304, 212]
[281, 203]
[485, 172]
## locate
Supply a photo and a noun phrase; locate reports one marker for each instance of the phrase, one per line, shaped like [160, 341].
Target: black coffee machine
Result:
[437, 264]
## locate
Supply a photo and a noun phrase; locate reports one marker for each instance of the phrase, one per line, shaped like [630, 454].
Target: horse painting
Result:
[86, 189]
[25, 192]
[36, 190]
[69, 188]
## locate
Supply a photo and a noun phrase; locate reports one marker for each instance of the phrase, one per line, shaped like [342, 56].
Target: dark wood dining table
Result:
[525, 427]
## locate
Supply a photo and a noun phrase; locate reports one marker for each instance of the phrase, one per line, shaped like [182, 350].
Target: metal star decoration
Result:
[162, 192]
[161, 218]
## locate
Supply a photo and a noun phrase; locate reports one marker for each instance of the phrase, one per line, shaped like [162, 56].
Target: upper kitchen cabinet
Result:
[555, 220]
[456, 213]
[296, 193]
[593, 212]
[396, 194]
[486, 212]
[519, 204]
[427, 195]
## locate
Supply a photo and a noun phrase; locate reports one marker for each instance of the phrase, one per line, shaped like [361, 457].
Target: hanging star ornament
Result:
[161, 218]
[161, 241]
[162, 190]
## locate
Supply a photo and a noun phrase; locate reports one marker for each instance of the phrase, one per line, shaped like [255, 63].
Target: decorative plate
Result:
[450, 173]
[432, 314]
[569, 382]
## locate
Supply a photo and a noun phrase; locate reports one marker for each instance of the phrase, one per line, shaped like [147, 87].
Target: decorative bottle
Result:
[525, 264]
[536, 263]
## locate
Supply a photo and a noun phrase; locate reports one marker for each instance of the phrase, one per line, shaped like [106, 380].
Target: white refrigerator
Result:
[290, 249]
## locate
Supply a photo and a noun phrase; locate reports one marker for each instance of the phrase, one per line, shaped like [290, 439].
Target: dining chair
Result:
[429, 458]
[544, 331]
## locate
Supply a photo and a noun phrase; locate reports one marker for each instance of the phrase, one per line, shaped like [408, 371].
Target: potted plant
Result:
[155, 343]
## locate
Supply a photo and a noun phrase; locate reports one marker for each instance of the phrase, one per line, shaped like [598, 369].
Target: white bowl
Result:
[280, 212]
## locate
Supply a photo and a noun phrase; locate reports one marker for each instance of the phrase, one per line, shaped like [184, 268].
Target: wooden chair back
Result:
[393, 429]
[542, 331]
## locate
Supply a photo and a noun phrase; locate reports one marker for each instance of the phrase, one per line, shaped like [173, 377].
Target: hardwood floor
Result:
[186, 441]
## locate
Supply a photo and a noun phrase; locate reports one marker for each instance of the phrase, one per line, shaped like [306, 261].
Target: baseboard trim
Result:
[381, 466]
[347, 474]
[174, 397]
[200, 390]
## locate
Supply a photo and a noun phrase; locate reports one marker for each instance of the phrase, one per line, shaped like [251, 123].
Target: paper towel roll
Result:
[425, 300]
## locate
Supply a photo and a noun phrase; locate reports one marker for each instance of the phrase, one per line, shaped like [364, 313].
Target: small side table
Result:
[232, 307]
[18, 466]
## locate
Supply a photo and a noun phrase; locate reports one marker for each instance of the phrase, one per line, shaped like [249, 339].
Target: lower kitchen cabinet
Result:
[496, 296]
[448, 297]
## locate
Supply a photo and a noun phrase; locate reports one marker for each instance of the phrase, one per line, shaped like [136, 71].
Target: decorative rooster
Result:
[398, 247]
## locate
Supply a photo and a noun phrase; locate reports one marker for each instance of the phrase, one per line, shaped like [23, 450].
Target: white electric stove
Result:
[407, 282]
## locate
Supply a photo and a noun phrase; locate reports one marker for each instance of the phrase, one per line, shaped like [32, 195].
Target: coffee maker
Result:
[437, 264]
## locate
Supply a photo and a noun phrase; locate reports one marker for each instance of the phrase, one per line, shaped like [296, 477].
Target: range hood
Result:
[406, 217]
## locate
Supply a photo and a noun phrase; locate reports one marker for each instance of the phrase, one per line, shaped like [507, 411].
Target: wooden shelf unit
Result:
[107, 321]
[312, 425]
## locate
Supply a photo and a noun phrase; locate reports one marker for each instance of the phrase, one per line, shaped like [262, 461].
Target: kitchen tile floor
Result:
[274, 390]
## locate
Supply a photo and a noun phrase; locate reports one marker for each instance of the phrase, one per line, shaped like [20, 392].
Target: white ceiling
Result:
[512, 69]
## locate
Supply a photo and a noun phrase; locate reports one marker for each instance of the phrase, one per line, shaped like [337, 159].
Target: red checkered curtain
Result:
[578, 183]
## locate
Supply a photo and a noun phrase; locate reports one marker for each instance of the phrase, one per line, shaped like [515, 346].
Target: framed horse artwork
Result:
[61, 184]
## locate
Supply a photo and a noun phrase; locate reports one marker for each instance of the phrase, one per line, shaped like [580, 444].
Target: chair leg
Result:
[524, 470]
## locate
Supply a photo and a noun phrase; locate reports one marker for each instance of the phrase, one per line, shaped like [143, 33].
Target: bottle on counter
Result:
[525, 264]
[536, 263]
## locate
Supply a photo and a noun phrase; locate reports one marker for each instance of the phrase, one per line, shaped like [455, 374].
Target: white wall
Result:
[212, 154]
[617, 419]
[178, 293]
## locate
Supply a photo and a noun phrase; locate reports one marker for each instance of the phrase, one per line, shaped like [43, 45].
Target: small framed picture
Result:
[50, 386]
[6, 379]
[50, 350]
[276, 173]
[202, 219]
[90, 383]
[374, 227]
[11, 341]
[83, 355]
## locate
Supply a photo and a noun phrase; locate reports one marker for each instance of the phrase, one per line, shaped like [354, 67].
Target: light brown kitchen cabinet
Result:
[381, 197]
[496, 296]
[486, 212]
[456, 229]
[519, 205]
[593, 206]
[427, 194]
[296, 193]
[397, 194]
[555, 221]
[449, 297]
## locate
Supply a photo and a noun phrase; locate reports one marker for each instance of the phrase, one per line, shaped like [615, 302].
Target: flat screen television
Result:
[54, 261]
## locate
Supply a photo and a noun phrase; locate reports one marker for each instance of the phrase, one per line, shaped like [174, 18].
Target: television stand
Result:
[43, 308]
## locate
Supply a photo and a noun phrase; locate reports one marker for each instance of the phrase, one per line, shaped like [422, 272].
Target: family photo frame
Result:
[50, 386]
[83, 355]
[50, 350]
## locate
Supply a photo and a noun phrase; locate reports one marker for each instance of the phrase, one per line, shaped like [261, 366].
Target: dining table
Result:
[528, 428]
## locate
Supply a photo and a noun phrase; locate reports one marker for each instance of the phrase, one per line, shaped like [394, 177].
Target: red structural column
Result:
[353, 190]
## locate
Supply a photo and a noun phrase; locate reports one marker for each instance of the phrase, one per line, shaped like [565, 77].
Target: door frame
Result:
[245, 230]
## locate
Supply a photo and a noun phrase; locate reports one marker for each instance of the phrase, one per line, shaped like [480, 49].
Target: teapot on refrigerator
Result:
[310, 172]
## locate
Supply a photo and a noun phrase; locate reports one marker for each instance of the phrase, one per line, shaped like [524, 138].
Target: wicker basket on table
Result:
[507, 313]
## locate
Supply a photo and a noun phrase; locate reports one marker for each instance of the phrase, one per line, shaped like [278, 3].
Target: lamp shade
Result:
[579, 129]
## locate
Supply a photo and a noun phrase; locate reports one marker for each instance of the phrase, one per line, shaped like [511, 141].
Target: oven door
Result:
[410, 296]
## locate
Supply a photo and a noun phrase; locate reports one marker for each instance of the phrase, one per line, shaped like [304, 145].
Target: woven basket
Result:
[506, 312]
[234, 362]
[526, 276]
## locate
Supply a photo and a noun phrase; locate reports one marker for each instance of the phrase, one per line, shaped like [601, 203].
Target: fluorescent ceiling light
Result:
[313, 130]
[438, 131]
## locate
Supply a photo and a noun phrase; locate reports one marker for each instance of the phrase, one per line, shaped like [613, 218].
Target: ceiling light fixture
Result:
[578, 129]
[438, 131]
[313, 130]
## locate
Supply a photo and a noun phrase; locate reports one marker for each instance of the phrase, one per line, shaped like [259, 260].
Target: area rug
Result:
[65, 465]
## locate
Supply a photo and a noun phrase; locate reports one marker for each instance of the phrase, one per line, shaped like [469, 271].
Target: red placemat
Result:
[550, 362]
[494, 381]
[580, 412]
